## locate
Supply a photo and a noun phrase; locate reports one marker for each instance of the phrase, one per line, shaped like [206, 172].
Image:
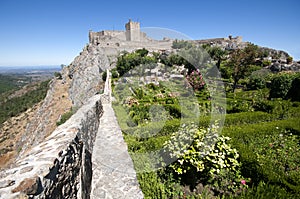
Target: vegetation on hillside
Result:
[11, 82]
[256, 156]
[16, 105]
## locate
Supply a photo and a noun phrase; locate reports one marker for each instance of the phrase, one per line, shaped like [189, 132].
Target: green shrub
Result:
[64, 117]
[280, 85]
[156, 129]
[152, 186]
[264, 146]
[143, 52]
[280, 108]
[239, 133]
[178, 44]
[237, 106]
[174, 110]
[266, 63]
[58, 75]
[256, 82]
[266, 191]
[175, 59]
[160, 185]
[248, 118]
[289, 59]
[104, 75]
[141, 141]
[294, 92]
[278, 157]
[226, 72]
[114, 73]
[129, 61]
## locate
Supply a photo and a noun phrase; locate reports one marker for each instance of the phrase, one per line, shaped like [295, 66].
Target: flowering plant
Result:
[211, 156]
[195, 79]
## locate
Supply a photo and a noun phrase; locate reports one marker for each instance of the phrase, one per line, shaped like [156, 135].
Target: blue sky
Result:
[53, 32]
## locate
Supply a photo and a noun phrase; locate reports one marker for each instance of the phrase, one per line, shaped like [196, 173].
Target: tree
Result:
[217, 54]
[175, 59]
[241, 61]
[127, 62]
[195, 58]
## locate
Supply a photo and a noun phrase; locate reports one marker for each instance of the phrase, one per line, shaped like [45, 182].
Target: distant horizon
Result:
[23, 66]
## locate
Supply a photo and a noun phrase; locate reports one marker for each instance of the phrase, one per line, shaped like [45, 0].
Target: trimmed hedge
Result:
[157, 129]
[262, 127]
[269, 151]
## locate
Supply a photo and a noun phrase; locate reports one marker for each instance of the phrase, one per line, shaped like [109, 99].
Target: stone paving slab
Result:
[114, 176]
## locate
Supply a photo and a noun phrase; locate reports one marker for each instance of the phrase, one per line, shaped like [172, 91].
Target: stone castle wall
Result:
[60, 166]
[132, 33]
[98, 37]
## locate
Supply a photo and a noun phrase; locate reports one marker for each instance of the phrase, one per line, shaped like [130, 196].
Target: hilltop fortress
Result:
[132, 33]
[133, 36]
[128, 40]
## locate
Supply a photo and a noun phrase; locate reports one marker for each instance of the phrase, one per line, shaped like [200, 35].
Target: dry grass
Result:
[14, 129]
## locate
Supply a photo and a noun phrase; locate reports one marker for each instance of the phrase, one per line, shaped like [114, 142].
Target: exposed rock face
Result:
[278, 67]
[85, 72]
[29, 186]
[44, 121]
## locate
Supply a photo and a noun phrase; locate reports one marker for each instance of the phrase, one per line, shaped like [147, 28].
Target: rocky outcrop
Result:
[43, 123]
[278, 67]
[85, 72]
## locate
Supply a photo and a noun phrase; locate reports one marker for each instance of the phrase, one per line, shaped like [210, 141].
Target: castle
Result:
[133, 37]
[132, 33]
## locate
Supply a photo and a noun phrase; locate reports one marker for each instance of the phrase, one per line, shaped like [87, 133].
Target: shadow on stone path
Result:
[113, 171]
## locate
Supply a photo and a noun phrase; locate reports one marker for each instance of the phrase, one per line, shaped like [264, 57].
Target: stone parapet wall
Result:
[60, 166]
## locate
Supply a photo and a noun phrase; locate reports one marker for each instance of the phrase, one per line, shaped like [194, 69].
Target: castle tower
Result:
[133, 31]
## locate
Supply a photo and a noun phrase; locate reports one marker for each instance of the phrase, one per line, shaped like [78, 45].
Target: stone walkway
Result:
[113, 172]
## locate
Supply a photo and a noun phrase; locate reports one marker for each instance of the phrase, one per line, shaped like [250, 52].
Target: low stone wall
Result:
[60, 166]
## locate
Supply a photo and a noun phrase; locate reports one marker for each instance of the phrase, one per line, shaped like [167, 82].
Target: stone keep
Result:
[133, 31]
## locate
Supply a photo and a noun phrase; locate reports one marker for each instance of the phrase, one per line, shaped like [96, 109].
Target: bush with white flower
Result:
[209, 155]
